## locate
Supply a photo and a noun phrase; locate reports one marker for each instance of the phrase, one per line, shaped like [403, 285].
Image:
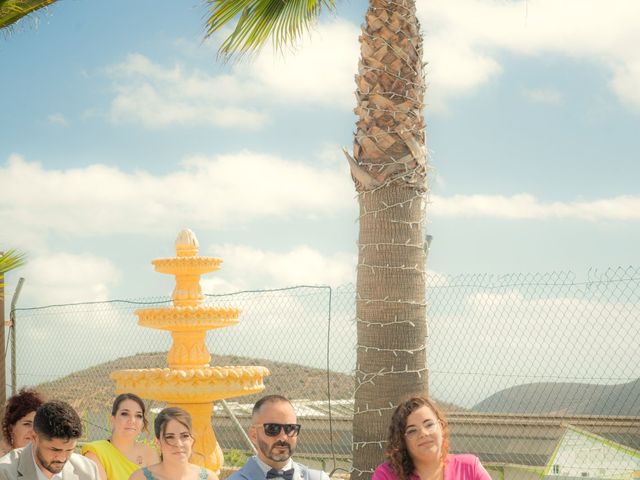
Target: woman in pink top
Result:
[418, 447]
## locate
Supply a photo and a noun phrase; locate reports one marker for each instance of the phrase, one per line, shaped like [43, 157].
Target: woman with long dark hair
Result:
[121, 454]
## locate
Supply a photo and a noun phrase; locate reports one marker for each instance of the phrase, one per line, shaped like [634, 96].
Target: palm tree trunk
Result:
[389, 170]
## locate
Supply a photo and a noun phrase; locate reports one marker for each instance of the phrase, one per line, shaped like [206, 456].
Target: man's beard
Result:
[53, 467]
[267, 450]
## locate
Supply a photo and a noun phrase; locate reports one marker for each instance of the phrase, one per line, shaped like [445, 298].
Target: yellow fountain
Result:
[189, 381]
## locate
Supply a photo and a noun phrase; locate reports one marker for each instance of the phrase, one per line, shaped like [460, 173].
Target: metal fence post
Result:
[237, 424]
[12, 326]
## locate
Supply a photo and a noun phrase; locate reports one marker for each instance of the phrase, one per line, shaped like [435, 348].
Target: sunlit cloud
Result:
[319, 72]
[204, 192]
[463, 44]
[58, 278]
[57, 119]
[625, 81]
[300, 265]
[528, 207]
[464, 39]
[157, 96]
[544, 95]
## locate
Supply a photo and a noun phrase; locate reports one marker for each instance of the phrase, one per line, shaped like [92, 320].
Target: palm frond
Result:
[284, 21]
[13, 10]
[10, 260]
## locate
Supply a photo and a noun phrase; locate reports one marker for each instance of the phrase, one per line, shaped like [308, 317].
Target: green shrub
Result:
[235, 458]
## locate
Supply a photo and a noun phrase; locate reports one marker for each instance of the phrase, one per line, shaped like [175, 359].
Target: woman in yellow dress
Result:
[121, 455]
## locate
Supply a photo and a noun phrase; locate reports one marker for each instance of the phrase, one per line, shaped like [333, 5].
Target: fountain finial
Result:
[187, 244]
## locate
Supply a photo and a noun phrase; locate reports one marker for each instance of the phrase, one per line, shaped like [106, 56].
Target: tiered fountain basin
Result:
[187, 265]
[200, 317]
[195, 385]
[189, 381]
[188, 326]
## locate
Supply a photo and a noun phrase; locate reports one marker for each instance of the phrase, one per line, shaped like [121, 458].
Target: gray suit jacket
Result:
[252, 471]
[19, 464]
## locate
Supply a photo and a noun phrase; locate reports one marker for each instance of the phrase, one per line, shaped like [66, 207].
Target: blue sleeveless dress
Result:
[149, 476]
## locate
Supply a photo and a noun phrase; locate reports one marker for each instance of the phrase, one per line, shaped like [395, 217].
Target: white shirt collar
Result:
[265, 468]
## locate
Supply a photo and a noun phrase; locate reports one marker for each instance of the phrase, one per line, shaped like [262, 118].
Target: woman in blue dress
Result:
[174, 436]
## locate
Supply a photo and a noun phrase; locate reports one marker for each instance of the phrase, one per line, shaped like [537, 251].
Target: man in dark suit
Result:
[50, 456]
[274, 432]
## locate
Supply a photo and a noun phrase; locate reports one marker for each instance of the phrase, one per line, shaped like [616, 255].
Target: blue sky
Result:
[120, 128]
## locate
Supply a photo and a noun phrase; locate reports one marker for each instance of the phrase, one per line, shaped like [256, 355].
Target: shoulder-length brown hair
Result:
[19, 405]
[168, 414]
[399, 459]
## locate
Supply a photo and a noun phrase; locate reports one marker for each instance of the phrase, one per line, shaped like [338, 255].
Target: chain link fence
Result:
[539, 373]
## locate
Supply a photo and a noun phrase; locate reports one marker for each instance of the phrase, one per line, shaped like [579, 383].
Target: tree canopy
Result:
[258, 20]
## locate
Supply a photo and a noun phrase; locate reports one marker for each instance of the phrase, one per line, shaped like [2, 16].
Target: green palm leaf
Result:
[13, 10]
[284, 21]
[8, 261]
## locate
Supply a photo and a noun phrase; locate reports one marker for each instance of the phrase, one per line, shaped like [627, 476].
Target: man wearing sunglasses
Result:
[274, 432]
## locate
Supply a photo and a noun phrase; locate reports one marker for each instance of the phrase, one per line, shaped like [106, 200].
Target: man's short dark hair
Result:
[57, 419]
[269, 399]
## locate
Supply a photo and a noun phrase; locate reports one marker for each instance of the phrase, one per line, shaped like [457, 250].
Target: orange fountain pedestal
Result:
[189, 381]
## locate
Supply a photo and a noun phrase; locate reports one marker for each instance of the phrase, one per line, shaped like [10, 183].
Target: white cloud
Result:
[526, 206]
[486, 303]
[205, 193]
[561, 312]
[437, 279]
[453, 69]
[331, 155]
[57, 119]
[625, 81]
[463, 41]
[302, 265]
[319, 73]
[208, 193]
[544, 95]
[531, 328]
[67, 278]
[464, 37]
[157, 97]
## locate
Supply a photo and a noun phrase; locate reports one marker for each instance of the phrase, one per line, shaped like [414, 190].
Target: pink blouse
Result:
[458, 467]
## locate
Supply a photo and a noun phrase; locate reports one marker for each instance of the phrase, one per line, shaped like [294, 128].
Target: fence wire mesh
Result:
[539, 373]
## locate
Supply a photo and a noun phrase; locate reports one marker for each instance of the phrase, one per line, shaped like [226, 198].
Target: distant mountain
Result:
[93, 390]
[566, 399]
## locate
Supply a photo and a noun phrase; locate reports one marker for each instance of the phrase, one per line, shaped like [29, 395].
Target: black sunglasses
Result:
[274, 429]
